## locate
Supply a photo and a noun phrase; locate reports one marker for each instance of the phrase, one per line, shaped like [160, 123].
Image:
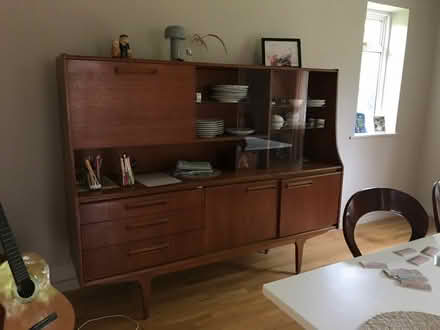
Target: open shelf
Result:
[218, 102]
[226, 138]
[221, 138]
[279, 170]
[290, 130]
[282, 106]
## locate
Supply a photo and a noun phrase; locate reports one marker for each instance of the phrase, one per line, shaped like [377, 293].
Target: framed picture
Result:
[360, 123]
[281, 52]
[245, 159]
[379, 123]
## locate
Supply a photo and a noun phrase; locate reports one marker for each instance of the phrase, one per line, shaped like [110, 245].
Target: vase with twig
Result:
[199, 41]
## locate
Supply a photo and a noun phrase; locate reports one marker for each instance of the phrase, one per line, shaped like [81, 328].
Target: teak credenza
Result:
[147, 109]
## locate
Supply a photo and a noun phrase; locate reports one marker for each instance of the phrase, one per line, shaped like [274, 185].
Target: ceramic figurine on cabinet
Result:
[124, 46]
[116, 51]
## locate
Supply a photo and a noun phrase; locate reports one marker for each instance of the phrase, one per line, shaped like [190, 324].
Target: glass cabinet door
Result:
[287, 118]
[282, 145]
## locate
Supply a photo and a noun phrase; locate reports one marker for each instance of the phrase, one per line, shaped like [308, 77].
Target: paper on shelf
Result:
[254, 144]
[156, 179]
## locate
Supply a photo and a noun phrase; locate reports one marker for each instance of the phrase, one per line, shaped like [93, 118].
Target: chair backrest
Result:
[383, 199]
[436, 204]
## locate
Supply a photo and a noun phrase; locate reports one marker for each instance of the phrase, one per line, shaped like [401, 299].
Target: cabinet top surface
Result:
[228, 177]
[196, 64]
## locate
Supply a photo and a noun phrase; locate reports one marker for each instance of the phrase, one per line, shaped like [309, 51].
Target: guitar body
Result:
[45, 302]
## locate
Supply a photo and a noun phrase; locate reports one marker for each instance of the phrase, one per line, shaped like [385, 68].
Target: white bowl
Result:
[277, 125]
[277, 119]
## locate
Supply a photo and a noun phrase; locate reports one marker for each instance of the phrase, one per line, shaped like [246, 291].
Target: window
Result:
[383, 55]
[373, 67]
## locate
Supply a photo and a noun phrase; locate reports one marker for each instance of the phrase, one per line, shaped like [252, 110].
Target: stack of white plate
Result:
[209, 128]
[316, 103]
[229, 93]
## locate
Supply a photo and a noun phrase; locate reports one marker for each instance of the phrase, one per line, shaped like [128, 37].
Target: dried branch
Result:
[197, 38]
[219, 39]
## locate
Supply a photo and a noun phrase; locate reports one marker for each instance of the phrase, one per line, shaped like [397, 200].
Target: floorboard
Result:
[227, 295]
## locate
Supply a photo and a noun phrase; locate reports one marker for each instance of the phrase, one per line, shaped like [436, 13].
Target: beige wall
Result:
[34, 32]
[429, 156]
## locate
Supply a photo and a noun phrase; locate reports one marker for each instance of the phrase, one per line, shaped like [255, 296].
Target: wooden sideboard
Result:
[148, 110]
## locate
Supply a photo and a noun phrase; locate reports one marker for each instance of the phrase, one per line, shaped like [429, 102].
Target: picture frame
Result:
[360, 123]
[281, 52]
[245, 159]
[379, 123]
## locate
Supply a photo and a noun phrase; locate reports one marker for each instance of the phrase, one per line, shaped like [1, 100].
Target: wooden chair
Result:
[436, 204]
[383, 199]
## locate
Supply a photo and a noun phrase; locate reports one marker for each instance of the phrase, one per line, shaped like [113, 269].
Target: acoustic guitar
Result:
[28, 299]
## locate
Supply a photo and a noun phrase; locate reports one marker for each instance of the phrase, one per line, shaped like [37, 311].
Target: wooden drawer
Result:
[129, 104]
[124, 258]
[310, 203]
[137, 228]
[140, 206]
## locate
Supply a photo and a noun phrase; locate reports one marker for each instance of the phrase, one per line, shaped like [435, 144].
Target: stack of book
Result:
[193, 169]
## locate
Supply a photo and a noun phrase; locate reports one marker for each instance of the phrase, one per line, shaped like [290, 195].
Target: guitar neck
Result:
[13, 254]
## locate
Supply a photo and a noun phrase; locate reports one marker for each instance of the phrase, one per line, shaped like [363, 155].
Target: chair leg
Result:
[145, 283]
[299, 248]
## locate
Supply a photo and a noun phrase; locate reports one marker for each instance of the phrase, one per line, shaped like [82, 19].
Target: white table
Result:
[345, 295]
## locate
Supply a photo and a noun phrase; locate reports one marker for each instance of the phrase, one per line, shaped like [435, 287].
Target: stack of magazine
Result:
[193, 169]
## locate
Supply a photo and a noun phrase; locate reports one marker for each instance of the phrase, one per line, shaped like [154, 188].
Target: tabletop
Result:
[345, 295]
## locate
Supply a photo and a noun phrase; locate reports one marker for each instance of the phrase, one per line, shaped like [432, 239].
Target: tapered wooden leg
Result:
[145, 284]
[299, 248]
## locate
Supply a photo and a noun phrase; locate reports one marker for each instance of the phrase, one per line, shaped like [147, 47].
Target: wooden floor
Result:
[228, 295]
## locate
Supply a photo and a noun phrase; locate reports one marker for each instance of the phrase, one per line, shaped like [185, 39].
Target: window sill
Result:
[370, 135]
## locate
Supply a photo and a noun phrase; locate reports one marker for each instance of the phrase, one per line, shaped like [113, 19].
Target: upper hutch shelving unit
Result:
[147, 109]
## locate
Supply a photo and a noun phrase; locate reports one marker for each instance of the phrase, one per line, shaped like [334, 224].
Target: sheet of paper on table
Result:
[156, 179]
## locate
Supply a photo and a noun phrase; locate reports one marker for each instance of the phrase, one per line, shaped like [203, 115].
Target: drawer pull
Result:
[257, 188]
[299, 184]
[152, 249]
[130, 70]
[146, 224]
[145, 204]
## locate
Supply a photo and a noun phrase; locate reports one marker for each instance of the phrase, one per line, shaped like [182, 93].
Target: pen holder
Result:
[127, 176]
[93, 185]
[126, 184]
[93, 169]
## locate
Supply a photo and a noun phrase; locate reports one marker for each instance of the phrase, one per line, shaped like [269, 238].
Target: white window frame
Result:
[385, 18]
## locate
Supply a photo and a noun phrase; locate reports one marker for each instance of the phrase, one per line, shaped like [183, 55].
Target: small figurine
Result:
[116, 51]
[124, 46]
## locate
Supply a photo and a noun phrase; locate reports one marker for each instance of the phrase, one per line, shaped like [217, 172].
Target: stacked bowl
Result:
[209, 128]
[229, 93]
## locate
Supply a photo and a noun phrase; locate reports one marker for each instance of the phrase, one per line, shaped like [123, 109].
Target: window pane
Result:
[373, 35]
[368, 87]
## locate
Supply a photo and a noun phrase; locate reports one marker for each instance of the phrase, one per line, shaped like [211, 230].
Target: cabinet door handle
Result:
[264, 187]
[299, 184]
[152, 249]
[145, 204]
[130, 70]
[146, 224]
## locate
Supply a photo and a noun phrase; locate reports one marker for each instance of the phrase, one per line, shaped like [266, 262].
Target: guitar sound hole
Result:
[26, 289]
